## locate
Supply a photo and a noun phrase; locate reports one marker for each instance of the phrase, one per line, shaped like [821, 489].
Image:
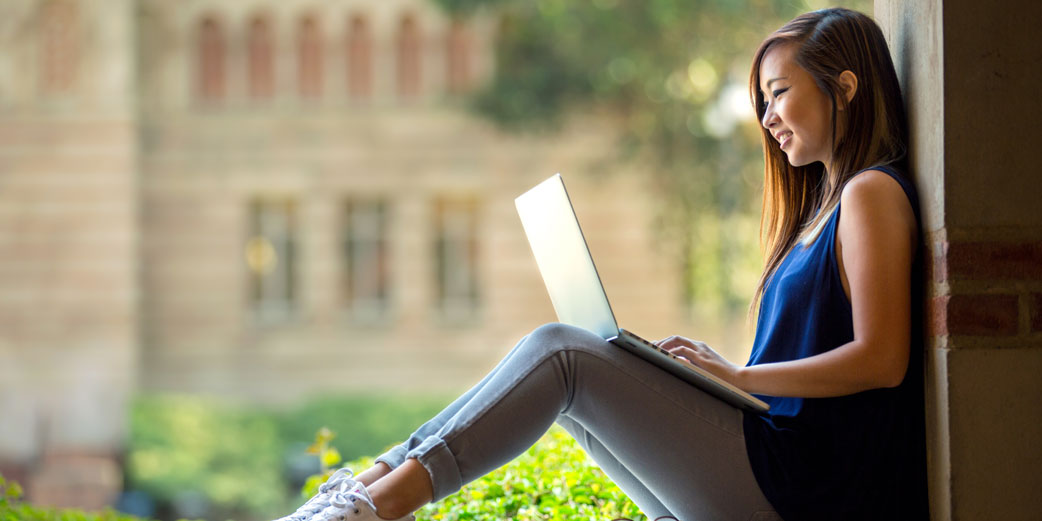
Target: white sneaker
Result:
[352, 504]
[341, 480]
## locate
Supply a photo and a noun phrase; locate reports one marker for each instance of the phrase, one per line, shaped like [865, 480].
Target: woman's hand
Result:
[700, 354]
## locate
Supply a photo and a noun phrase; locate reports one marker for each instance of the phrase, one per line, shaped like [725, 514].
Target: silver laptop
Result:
[577, 294]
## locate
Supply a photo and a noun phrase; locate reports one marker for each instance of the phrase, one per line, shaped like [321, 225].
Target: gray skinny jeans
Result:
[673, 449]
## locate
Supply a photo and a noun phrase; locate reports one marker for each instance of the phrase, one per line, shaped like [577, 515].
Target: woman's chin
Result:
[797, 161]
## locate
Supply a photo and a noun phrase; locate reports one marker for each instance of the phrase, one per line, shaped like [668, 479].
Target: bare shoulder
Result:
[874, 200]
[873, 184]
[873, 192]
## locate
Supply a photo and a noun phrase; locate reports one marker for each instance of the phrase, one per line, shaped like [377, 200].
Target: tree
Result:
[674, 75]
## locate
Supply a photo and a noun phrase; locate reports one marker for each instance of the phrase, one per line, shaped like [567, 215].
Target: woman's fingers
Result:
[698, 354]
[680, 346]
[673, 341]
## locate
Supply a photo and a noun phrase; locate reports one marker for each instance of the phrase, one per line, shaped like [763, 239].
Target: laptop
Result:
[577, 294]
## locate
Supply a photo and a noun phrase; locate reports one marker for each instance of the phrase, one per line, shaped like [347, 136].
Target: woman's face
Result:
[797, 112]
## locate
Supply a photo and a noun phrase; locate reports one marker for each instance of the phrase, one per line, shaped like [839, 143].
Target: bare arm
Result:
[875, 246]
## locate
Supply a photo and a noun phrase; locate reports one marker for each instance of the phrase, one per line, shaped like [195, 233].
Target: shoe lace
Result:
[348, 496]
[341, 480]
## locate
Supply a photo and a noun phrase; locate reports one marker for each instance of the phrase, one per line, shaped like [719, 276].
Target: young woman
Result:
[837, 353]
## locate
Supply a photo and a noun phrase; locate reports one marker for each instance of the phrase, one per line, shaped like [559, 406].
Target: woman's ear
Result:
[848, 84]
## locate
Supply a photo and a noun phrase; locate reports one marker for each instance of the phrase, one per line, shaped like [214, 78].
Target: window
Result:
[359, 59]
[261, 59]
[211, 60]
[271, 258]
[59, 57]
[457, 48]
[408, 57]
[456, 257]
[309, 58]
[367, 256]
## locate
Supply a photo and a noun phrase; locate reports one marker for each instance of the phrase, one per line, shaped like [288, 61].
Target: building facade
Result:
[268, 200]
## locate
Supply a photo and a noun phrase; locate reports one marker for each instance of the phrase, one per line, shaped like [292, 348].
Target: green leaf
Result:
[324, 435]
[311, 484]
[331, 457]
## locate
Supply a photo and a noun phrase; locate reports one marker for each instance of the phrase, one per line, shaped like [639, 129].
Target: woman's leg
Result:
[672, 448]
[397, 454]
[672, 438]
[619, 474]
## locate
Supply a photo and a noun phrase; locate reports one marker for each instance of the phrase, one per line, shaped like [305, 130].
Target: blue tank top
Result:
[852, 457]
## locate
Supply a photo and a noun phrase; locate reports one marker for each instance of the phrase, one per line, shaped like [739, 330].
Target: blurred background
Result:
[226, 223]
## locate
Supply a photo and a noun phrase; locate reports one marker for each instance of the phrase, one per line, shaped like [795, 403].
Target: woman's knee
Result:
[555, 337]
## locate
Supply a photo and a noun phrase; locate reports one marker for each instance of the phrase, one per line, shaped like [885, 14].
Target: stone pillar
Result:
[967, 69]
[68, 246]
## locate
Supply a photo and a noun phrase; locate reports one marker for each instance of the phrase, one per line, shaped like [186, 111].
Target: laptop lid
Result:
[578, 296]
[563, 258]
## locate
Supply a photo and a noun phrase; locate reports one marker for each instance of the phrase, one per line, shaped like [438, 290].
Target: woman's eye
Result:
[779, 92]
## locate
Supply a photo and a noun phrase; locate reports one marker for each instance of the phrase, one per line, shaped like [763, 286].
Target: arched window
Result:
[359, 58]
[408, 57]
[211, 60]
[261, 58]
[59, 45]
[458, 54]
[309, 58]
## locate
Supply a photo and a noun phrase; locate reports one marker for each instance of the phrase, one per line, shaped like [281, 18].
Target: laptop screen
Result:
[563, 258]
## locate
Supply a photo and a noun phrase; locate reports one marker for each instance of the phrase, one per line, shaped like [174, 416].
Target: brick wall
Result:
[986, 292]
[963, 66]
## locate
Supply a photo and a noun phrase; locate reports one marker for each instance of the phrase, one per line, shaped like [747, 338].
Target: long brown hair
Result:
[796, 200]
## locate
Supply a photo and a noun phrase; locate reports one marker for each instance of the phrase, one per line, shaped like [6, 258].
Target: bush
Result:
[245, 463]
[200, 457]
[553, 480]
[13, 509]
[365, 425]
[215, 457]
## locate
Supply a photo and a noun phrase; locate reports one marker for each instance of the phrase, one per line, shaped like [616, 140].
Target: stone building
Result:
[267, 200]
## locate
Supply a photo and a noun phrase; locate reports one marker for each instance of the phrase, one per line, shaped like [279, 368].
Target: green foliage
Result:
[673, 75]
[553, 480]
[182, 445]
[236, 457]
[328, 458]
[365, 424]
[13, 509]
[464, 7]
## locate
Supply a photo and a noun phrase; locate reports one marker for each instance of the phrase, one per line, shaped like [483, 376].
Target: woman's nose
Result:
[769, 117]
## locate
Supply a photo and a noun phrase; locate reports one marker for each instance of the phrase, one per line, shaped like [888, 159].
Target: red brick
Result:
[995, 261]
[14, 472]
[83, 481]
[982, 315]
[938, 269]
[937, 316]
[1036, 312]
[937, 266]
